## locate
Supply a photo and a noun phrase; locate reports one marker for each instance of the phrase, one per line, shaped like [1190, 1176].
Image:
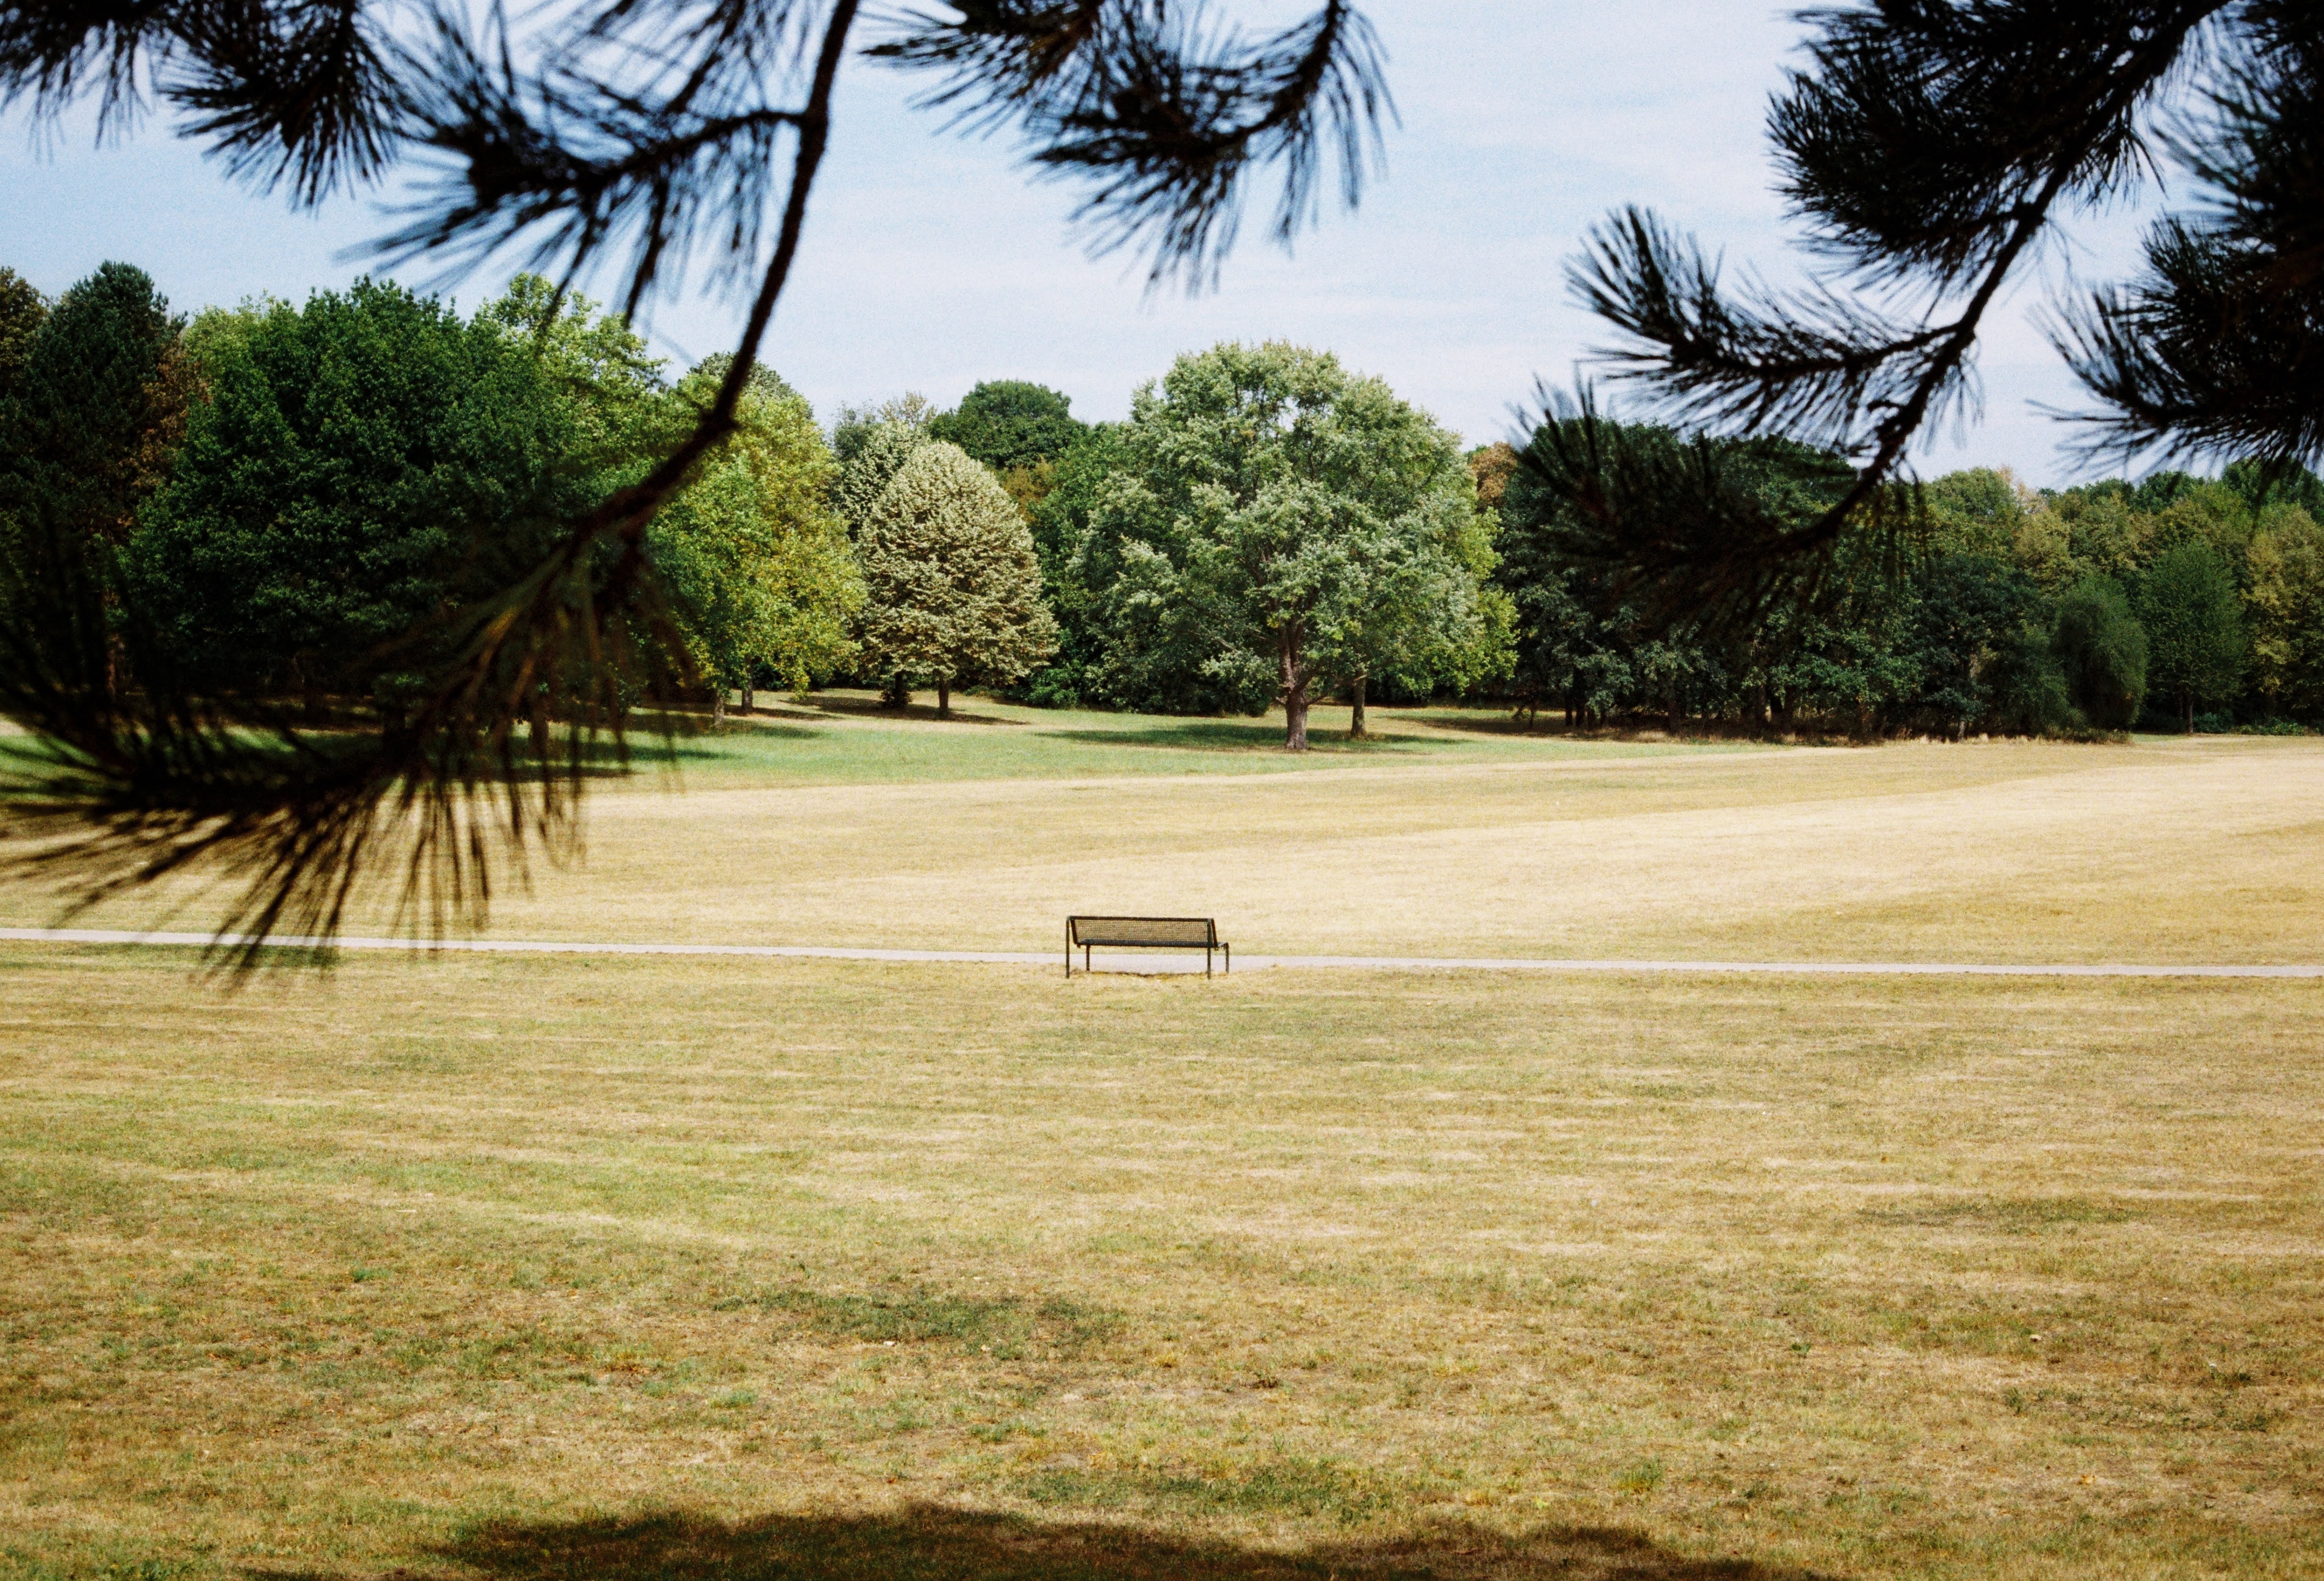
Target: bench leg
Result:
[1230, 950]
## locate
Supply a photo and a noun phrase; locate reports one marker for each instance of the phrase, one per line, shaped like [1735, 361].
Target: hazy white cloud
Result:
[932, 262]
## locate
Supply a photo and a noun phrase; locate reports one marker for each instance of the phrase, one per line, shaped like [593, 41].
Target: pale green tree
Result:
[874, 452]
[600, 363]
[2285, 611]
[1278, 522]
[753, 563]
[756, 564]
[953, 585]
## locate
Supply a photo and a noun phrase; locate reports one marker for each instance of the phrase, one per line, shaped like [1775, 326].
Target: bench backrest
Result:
[1196, 933]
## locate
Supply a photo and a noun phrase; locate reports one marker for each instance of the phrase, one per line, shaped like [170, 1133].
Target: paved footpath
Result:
[1163, 962]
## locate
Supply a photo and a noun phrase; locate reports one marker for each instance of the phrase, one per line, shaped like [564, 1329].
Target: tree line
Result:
[292, 501]
[1981, 604]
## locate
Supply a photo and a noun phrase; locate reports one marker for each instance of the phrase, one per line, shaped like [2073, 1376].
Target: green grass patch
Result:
[1281, 1486]
[2015, 1216]
[1007, 1326]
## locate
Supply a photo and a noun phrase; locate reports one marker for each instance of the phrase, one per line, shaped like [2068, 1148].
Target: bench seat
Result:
[1145, 933]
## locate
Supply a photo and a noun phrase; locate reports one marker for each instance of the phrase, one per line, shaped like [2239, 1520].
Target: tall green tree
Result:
[2284, 612]
[1435, 620]
[603, 371]
[362, 463]
[953, 588]
[756, 561]
[754, 565]
[100, 380]
[2104, 650]
[2186, 600]
[2259, 487]
[1060, 519]
[88, 429]
[1273, 527]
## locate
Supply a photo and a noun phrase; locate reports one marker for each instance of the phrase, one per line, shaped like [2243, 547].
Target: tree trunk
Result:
[1671, 712]
[1295, 694]
[2186, 707]
[944, 697]
[1356, 731]
[310, 695]
[748, 690]
[718, 705]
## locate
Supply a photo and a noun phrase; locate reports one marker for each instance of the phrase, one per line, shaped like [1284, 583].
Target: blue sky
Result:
[933, 261]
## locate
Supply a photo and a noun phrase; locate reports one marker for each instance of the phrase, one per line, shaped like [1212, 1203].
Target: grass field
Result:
[491, 1267]
[1450, 836]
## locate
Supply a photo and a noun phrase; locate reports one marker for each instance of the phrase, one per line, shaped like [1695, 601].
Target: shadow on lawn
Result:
[928, 1543]
[873, 708]
[646, 752]
[1479, 723]
[1216, 735]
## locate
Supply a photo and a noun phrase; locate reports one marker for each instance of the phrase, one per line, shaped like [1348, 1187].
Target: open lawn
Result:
[1450, 836]
[491, 1267]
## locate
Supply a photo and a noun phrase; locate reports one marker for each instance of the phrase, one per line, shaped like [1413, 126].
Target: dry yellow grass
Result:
[533, 1268]
[495, 1268]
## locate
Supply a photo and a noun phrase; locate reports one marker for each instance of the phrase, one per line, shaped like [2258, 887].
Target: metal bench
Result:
[1145, 933]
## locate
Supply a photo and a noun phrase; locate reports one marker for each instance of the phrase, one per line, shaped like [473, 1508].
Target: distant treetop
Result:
[1008, 423]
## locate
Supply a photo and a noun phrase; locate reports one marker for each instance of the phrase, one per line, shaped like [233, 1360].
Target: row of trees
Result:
[1265, 526]
[1989, 606]
[277, 489]
[299, 499]
[1168, 544]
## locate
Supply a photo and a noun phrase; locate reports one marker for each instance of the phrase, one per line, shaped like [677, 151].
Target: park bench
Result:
[1145, 933]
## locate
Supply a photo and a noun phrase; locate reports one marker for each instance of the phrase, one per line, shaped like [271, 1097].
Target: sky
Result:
[932, 259]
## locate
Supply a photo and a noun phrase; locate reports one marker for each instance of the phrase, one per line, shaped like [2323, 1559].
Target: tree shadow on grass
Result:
[873, 708]
[1634, 734]
[645, 752]
[1542, 728]
[930, 1543]
[1219, 735]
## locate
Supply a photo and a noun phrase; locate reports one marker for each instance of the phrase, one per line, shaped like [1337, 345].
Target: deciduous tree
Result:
[21, 308]
[2186, 600]
[757, 563]
[2285, 609]
[1279, 522]
[2104, 650]
[1010, 424]
[361, 462]
[874, 454]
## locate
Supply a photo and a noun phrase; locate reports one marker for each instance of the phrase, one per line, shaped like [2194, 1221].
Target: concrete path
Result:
[1158, 962]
